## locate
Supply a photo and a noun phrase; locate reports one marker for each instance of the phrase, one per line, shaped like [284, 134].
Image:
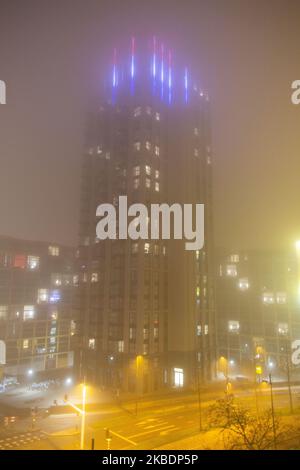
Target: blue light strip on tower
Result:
[132, 69]
[186, 85]
[115, 69]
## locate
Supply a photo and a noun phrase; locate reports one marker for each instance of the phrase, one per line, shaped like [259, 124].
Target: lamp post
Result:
[82, 432]
[289, 376]
[273, 413]
[199, 399]
[81, 411]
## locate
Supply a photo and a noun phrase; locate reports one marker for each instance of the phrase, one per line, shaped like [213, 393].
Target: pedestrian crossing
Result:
[158, 426]
[19, 441]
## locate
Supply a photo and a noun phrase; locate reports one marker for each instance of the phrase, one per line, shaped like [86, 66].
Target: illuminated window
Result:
[3, 312]
[28, 312]
[145, 333]
[55, 296]
[281, 298]
[198, 291]
[206, 329]
[155, 332]
[19, 261]
[156, 150]
[137, 111]
[54, 315]
[56, 279]
[33, 262]
[268, 298]
[197, 254]
[92, 343]
[43, 295]
[164, 250]
[131, 333]
[147, 248]
[231, 270]
[156, 249]
[148, 145]
[53, 250]
[283, 328]
[243, 284]
[156, 174]
[25, 343]
[233, 326]
[157, 187]
[94, 277]
[136, 183]
[99, 150]
[120, 346]
[137, 146]
[148, 183]
[178, 377]
[148, 170]
[234, 258]
[199, 330]
[157, 116]
[136, 171]
[72, 328]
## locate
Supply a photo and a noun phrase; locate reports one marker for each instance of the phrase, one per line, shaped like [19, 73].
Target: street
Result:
[159, 422]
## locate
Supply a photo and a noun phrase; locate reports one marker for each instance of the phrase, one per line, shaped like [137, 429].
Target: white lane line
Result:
[152, 431]
[164, 433]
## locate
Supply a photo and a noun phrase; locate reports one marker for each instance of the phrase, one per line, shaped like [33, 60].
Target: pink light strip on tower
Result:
[170, 77]
[132, 70]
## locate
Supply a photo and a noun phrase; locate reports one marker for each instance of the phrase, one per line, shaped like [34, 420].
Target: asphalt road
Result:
[157, 423]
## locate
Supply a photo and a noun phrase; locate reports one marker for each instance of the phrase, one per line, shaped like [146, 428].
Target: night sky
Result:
[246, 54]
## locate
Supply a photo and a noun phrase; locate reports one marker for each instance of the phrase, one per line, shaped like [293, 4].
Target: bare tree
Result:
[244, 430]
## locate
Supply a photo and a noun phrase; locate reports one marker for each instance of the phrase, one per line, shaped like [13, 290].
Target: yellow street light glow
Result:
[297, 244]
[83, 417]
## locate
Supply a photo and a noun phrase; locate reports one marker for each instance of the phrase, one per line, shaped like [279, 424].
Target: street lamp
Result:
[82, 433]
[82, 413]
[139, 362]
[273, 412]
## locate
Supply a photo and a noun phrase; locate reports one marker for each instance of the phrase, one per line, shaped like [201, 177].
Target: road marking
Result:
[164, 433]
[152, 431]
[122, 437]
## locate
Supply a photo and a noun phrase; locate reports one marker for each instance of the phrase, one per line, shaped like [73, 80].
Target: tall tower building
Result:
[146, 307]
